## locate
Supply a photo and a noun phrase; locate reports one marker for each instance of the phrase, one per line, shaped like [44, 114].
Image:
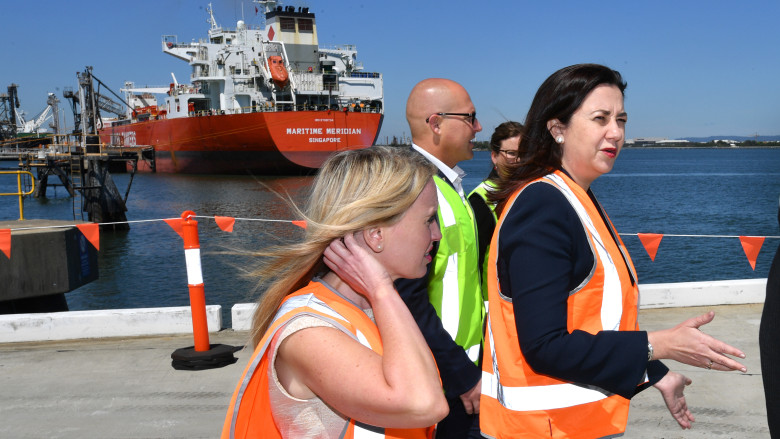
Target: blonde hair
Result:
[353, 190]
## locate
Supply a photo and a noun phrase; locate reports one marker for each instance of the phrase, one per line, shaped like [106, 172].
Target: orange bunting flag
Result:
[5, 242]
[225, 222]
[651, 241]
[177, 225]
[91, 231]
[301, 224]
[752, 246]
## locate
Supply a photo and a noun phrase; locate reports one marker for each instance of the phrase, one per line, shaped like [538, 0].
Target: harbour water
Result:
[719, 192]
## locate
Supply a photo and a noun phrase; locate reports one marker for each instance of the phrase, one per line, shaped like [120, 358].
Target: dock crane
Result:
[34, 125]
[18, 132]
[87, 103]
[9, 102]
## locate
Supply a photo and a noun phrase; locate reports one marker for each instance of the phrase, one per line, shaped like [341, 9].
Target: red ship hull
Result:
[262, 142]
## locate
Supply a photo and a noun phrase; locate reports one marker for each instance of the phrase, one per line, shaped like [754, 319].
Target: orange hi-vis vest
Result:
[516, 401]
[249, 414]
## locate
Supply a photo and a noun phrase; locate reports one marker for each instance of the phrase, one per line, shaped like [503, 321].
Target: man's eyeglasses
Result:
[510, 153]
[470, 117]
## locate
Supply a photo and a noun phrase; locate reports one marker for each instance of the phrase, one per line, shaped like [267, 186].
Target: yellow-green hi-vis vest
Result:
[454, 286]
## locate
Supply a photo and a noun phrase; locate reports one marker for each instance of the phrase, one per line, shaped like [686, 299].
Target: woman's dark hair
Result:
[558, 97]
[506, 130]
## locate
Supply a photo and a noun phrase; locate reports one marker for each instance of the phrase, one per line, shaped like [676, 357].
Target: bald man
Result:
[447, 303]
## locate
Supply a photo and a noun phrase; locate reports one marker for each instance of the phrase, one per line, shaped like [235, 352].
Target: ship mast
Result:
[212, 20]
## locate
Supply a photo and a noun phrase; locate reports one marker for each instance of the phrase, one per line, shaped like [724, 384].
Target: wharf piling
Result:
[48, 261]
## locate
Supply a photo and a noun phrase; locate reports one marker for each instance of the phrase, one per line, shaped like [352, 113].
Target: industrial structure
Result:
[78, 158]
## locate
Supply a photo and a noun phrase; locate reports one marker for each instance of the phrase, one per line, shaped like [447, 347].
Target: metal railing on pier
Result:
[40, 156]
[83, 170]
[19, 192]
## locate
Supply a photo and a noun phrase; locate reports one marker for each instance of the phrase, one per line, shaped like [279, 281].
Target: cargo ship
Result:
[261, 99]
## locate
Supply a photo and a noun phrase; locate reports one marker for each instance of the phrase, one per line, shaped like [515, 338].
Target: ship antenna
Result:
[212, 20]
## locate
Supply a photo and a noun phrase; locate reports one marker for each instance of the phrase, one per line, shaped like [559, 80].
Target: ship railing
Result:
[361, 74]
[171, 41]
[308, 82]
[271, 108]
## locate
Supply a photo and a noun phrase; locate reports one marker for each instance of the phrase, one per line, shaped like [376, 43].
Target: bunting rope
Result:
[651, 241]
[248, 219]
[696, 236]
[296, 221]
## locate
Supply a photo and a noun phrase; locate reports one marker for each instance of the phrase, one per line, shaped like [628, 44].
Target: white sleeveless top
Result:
[302, 418]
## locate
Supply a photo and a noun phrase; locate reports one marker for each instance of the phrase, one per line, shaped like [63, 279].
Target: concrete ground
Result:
[126, 387]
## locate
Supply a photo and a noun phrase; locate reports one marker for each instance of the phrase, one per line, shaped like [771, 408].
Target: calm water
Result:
[669, 191]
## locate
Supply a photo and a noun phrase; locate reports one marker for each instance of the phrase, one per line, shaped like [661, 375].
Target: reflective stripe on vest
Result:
[518, 402]
[612, 300]
[313, 300]
[454, 285]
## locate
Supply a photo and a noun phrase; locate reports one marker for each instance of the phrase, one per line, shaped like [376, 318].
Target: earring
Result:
[559, 139]
[379, 247]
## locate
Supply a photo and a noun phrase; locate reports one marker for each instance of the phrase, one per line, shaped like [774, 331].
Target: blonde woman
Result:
[337, 352]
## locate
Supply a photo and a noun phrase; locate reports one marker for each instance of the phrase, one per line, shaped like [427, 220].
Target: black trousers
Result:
[458, 424]
[769, 346]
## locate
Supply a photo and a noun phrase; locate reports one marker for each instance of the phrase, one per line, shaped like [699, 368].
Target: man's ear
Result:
[433, 123]
[374, 239]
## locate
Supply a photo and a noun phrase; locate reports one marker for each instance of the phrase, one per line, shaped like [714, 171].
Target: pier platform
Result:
[126, 387]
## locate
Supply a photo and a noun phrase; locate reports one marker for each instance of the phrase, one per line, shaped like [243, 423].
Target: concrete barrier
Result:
[669, 295]
[178, 320]
[241, 316]
[722, 292]
[103, 323]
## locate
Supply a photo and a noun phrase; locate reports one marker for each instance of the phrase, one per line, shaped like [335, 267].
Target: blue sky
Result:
[694, 68]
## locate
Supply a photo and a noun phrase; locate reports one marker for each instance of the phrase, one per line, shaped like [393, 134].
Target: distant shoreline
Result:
[702, 146]
[479, 147]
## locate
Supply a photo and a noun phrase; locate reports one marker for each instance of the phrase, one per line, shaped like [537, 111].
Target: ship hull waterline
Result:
[284, 142]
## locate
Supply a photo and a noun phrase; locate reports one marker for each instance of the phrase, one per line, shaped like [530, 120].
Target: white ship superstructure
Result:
[234, 71]
[259, 99]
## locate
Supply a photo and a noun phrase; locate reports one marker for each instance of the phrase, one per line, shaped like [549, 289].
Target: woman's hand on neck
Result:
[360, 275]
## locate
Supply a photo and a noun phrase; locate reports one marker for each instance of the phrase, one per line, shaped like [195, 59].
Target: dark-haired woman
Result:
[563, 349]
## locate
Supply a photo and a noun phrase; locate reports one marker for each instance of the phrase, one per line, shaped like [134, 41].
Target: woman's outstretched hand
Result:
[687, 344]
[671, 387]
[356, 266]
